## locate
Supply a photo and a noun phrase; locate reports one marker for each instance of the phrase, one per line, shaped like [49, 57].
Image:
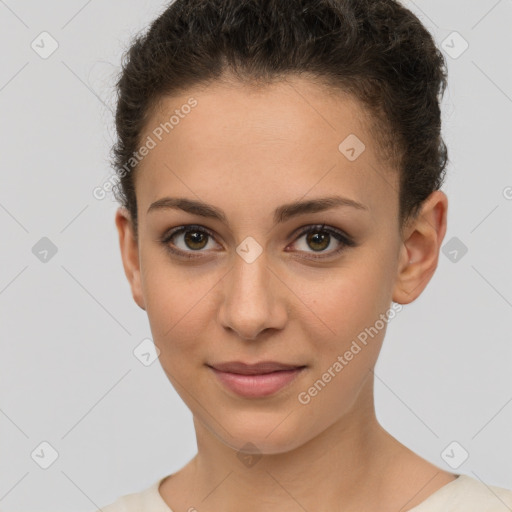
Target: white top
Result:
[464, 494]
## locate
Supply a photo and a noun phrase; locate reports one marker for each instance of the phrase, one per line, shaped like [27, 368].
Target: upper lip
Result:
[253, 369]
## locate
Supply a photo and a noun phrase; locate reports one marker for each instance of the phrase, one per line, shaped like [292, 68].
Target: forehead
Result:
[293, 136]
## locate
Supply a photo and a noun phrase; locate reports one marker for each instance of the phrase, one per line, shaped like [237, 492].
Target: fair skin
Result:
[248, 151]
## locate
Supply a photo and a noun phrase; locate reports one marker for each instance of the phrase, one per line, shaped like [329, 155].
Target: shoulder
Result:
[147, 500]
[467, 494]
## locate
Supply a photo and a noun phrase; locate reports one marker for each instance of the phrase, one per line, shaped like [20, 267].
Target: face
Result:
[269, 270]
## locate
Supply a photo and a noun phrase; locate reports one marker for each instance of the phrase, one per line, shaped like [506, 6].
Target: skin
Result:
[248, 150]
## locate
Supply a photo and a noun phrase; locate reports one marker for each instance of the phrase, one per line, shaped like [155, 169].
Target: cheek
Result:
[356, 306]
[178, 305]
[353, 298]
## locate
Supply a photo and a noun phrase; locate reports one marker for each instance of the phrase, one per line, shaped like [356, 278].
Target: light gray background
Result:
[68, 327]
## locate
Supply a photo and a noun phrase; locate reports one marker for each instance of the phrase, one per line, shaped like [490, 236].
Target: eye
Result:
[319, 238]
[193, 239]
[184, 241]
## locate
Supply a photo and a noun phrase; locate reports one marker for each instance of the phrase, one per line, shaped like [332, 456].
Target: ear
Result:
[130, 254]
[419, 253]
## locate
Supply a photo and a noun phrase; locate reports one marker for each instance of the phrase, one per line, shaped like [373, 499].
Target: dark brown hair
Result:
[376, 50]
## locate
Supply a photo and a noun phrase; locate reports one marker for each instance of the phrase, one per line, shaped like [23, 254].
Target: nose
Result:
[254, 299]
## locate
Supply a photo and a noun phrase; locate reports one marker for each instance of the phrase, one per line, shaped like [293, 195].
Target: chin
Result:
[263, 437]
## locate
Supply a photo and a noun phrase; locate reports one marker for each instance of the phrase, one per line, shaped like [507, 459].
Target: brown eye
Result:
[196, 239]
[186, 240]
[319, 238]
[318, 242]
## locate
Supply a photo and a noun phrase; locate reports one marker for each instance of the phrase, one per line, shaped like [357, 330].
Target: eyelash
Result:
[337, 234]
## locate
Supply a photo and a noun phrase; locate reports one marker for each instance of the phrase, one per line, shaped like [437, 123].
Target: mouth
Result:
[260, 368]
[256, 380]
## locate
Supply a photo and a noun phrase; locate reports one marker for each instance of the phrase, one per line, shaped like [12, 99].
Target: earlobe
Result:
[130, 254]
[419, 253]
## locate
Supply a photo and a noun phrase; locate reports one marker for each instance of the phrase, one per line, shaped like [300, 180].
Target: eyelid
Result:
[322, 227]
[187, 227]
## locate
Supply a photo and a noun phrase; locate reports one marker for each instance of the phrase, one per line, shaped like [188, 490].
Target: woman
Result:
[280, 166]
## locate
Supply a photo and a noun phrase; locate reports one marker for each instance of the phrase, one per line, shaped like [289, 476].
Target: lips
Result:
[261, 368]
[256, 381]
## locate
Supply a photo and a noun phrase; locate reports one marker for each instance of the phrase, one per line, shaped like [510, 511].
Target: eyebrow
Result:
[281, 214]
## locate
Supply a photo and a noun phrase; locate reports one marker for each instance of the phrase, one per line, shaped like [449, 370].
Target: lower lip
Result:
[255, 386]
